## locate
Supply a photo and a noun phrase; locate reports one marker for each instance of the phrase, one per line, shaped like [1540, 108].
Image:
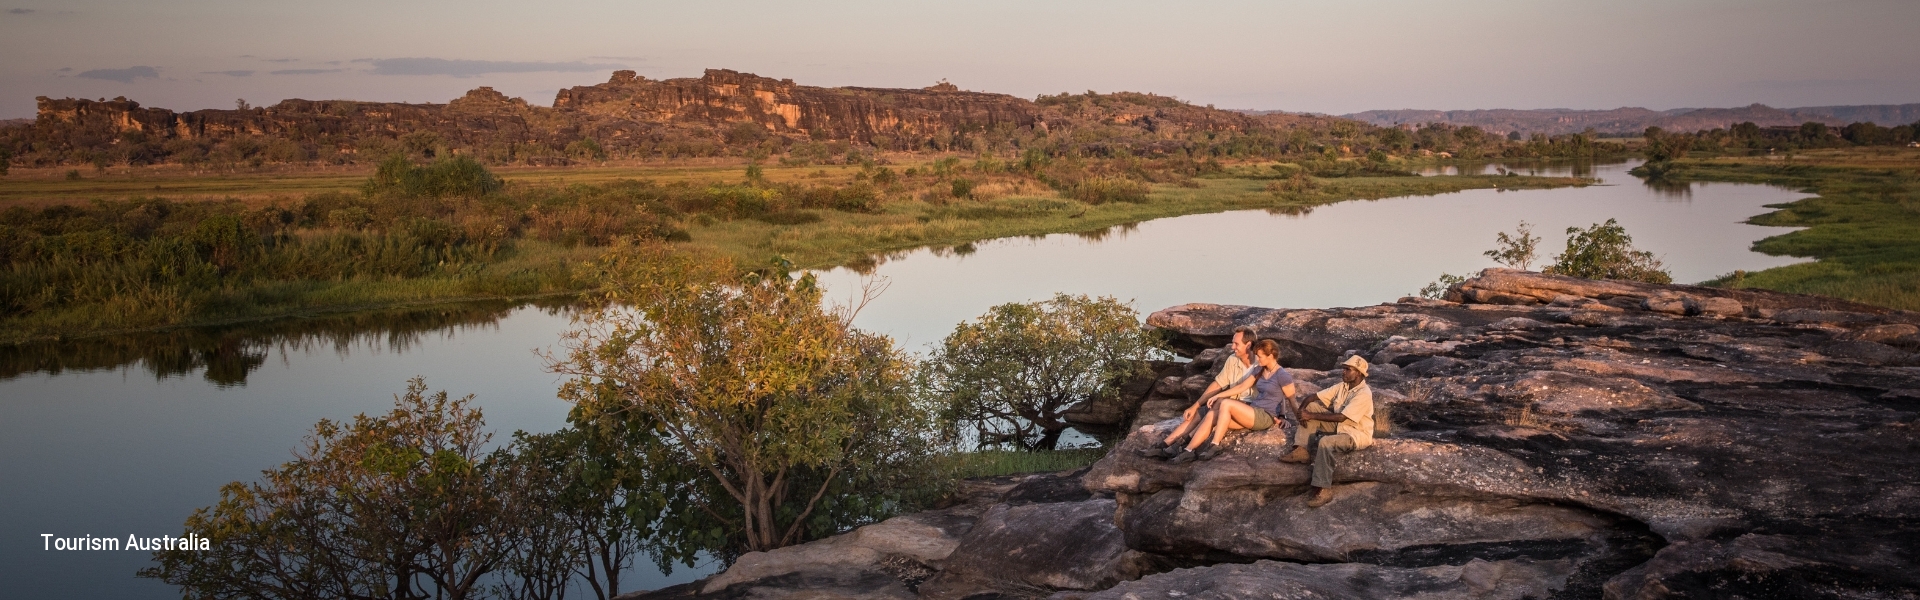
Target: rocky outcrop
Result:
[1589, 443]
[722, 112]
[780, 106]
[1659, 451]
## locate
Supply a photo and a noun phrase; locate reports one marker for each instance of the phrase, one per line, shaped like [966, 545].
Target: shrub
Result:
[1516, 251]
[1605, 251]
[1101, 190]
[444, 177]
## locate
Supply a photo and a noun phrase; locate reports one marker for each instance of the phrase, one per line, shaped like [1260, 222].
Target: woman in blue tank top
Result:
[1272, 401]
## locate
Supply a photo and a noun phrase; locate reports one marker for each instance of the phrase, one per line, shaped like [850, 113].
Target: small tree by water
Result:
[1605, 251]
[1515, 251]
[774, 420]
[1011, 374]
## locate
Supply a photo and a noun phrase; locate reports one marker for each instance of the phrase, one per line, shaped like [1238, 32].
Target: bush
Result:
[1605, 251]
[444, 177]
[1516, 251]
[1101, 190]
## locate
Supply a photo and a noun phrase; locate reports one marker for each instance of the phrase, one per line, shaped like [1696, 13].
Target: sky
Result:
[1312, 56]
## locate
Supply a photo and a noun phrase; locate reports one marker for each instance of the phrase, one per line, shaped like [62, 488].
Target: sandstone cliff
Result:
[720, 113]
[1555, 438]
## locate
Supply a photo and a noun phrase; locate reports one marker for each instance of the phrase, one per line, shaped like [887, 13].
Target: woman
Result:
[1272, 400]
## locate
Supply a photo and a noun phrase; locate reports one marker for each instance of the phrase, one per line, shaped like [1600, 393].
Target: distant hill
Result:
[1633, 120]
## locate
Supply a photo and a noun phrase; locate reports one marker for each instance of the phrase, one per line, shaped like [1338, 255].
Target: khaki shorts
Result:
[1261, 420]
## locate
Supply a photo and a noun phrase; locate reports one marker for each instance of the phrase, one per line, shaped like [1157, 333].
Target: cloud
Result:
[21, 11]
[471, 68]
[304, 71]
[281, 60]
[65, 69]
[126, 75]
[230, 73]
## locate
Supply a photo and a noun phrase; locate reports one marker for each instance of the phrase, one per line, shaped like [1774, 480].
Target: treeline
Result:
[1747, 137]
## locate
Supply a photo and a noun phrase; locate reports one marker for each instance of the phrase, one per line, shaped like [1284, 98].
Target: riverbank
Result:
[1862, 230]
[448, 250]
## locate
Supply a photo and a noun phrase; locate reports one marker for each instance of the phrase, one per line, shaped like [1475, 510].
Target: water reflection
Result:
[227, 354]
[1536, 168]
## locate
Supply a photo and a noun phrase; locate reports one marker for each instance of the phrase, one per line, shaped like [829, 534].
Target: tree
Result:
[762, 400]
[1516, 251]
[1012, 373]
[400, 506]
[1605, 251]
[1663, 146]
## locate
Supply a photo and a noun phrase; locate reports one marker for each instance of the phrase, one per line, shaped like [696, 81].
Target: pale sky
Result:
[1321, 56]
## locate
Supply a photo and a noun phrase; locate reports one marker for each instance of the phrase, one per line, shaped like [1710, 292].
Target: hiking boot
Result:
[1186, 456]
[1208, 451]
[1298, 456]
[1320, 498]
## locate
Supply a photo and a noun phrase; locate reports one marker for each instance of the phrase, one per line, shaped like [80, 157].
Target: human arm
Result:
[1239, 387]
[1324, 397]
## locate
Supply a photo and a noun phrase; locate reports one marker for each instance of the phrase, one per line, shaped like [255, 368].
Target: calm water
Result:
[129, 436]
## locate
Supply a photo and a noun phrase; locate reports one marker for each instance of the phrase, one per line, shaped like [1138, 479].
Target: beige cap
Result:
[1356, 363]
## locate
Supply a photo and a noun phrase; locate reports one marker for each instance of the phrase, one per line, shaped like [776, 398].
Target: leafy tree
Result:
[400, 506]
[6, 160]
[1012, 373]
[1516, 251]
[1605, 251]
[763, 401]
[1663, 146]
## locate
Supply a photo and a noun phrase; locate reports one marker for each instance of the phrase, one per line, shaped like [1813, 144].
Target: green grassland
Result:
[108, 254]
[1862, 228]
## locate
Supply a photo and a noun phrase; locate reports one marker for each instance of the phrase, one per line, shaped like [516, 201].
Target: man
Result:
[1339, 420]
[1237, 363]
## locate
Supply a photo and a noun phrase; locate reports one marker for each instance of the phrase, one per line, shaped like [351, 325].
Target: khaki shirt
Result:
[1356, 404]
[1230, 373]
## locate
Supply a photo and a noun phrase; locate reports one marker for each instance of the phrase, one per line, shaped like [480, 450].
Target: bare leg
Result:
[1187, 423]
[1205, 424]
[1233, 415]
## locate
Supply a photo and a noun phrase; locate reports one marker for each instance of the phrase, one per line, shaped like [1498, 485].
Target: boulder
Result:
[876, 561]
[1035, 549]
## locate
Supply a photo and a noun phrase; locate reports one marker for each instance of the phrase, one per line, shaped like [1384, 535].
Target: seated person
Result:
[1237, 362]
[1337, 421]
[1272, 399]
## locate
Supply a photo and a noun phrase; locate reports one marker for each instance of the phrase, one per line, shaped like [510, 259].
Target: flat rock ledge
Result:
[1553, 438]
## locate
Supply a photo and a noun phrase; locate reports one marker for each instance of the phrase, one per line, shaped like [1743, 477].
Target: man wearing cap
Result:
[1337, 421]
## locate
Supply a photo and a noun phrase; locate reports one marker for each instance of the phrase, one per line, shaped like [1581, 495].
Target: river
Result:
[127, 436]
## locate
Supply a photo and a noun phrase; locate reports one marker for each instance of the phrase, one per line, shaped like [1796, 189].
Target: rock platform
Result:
[1553, 438]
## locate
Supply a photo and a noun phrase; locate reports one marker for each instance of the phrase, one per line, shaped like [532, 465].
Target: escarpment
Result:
[720, 113]
[1570, 439]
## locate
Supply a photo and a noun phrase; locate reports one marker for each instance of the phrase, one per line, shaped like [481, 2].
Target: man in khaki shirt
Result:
[1236, 366]
[1337, 421]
